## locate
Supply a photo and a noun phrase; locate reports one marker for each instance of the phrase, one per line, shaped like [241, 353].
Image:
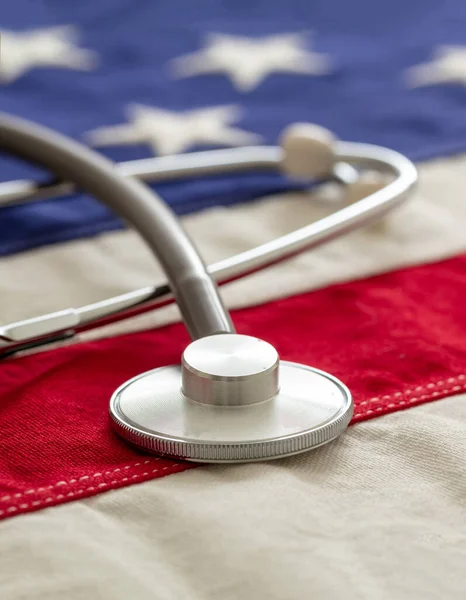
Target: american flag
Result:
[379, 513]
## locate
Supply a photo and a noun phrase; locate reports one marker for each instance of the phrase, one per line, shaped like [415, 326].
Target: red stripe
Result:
[397, 340]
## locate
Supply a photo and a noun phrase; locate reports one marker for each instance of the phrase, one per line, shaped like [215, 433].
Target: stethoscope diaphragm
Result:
[215, 407]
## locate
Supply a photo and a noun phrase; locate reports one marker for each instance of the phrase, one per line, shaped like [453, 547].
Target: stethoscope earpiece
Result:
[231, 400]
[309, 151]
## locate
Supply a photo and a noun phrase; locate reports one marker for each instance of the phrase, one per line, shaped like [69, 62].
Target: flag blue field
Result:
[392, 74]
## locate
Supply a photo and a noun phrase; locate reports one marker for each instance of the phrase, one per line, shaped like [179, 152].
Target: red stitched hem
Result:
[137, 472]
[67, 491]
[435, 390]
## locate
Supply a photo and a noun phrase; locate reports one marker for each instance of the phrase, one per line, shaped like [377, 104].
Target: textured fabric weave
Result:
[378, 515]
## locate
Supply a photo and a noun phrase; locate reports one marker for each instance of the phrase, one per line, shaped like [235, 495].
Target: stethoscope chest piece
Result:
[231, 400]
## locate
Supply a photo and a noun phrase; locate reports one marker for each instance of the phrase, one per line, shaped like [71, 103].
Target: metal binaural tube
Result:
[168, 168]
[360, 213]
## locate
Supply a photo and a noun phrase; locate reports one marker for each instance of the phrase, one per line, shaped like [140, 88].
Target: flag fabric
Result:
[378, 513]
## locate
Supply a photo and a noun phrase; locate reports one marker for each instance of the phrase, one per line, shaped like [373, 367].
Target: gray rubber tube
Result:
[194, 290]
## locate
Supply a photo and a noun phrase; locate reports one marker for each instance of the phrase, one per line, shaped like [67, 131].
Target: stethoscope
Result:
[232, 399]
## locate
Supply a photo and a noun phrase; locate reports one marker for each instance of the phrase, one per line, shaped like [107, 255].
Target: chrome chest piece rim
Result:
[231, 400]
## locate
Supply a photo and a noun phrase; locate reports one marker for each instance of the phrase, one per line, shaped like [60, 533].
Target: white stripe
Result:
[428, 227]
[377, 514]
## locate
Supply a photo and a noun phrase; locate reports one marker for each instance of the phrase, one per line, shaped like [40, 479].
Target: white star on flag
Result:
[169, 132]
[448, 65]
[249, 61]
[49, 47]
